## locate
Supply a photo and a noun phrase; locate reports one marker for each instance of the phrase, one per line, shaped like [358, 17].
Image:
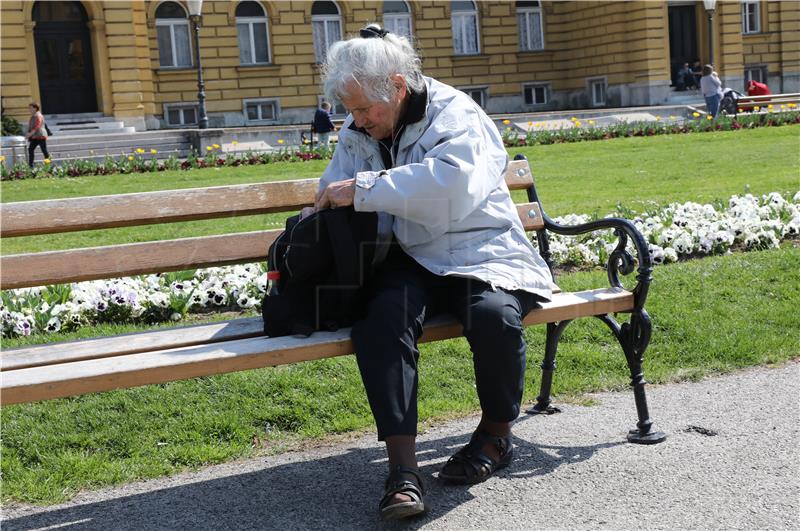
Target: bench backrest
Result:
[124, 210]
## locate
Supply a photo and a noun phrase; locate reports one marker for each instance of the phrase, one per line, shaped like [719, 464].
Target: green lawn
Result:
[585, 177]
[710, 316]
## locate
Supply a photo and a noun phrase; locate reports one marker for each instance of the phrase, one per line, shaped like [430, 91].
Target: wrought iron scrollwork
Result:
[620, 261]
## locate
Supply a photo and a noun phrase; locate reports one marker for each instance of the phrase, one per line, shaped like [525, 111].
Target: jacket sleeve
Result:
[464, 162]
[341, 167]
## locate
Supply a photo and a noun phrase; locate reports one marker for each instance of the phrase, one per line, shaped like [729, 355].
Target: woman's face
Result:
[32, 109]
[378, 118]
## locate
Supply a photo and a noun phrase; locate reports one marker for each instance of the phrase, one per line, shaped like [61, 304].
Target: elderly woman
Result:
[430, 162]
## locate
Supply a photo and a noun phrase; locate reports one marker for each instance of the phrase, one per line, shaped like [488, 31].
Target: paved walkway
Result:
[731, 461]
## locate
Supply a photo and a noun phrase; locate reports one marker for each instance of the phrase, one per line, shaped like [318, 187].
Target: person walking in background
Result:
[322, 124]
[711, 87]
[36, 134]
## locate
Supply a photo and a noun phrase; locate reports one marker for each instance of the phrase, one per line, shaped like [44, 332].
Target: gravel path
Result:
[737, 468]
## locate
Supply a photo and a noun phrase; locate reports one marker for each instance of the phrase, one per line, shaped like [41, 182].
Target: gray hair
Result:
[370, 63]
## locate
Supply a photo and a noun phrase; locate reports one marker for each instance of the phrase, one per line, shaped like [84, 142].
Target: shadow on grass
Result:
[334, 492]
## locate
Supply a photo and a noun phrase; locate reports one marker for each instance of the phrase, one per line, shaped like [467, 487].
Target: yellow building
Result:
[135, 60]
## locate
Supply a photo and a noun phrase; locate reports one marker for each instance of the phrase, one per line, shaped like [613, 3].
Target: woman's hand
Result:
[307, 211]
[337, 194]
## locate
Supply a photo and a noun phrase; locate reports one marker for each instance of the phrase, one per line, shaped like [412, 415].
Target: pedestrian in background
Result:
[36, 134]
[711, 87]
[322, 124]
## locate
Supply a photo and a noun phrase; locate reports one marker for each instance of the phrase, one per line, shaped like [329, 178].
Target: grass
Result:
[586, 177]
[710, 316]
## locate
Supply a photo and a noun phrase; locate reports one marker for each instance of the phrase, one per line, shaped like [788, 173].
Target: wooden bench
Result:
[73, 368]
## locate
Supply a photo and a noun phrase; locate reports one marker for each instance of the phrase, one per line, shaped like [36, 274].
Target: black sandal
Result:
[475, 466]
[396, 484]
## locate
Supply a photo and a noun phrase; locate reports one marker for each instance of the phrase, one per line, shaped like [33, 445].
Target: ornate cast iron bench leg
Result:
[634, 337]
[543, 406]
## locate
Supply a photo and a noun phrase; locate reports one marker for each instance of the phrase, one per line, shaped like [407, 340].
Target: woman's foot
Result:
[484, 455]
[403, 494]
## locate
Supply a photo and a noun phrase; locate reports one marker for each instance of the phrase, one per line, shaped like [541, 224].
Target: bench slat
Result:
[106, 347]
[58, 267]
[145, 208]
[68, 379]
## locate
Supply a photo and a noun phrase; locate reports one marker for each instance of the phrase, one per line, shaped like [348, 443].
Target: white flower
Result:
[175, 316]
[53, 325]
[159, 299]
[245, 301]
[656, 254]
[23, 326]
[670, 255]
[683, 244]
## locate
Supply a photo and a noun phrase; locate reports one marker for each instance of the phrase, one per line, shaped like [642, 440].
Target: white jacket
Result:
[452, 211]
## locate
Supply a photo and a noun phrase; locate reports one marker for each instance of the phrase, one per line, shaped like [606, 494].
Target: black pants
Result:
[403, 295]
[33, 142]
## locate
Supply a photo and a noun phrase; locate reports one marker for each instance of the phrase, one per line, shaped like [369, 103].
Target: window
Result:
[180, 114]
[755, 73]
[464, 20]
[598, 90]
[252, 26]
[478, 94]
[337, 109]
[529, 20]
[327, 26]
[260, 110]
[172, 31]
[536, 94]
[751, 19]
[397, 17]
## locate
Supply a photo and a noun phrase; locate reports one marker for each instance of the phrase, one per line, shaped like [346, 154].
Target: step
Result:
[93, 128]
[76, 117]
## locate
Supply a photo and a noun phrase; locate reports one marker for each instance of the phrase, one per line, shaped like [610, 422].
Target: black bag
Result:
[323, 261]
[49, 132]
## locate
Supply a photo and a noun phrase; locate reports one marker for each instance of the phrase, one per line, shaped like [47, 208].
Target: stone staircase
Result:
[65, 145]
[98, 145]
[90, 123]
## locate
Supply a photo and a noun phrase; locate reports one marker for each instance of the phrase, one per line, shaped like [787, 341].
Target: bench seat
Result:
[41, 373]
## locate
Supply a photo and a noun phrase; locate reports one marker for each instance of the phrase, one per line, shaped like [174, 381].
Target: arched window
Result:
[172, 29]
[464, 19]
[327, 26]
[531, 29]
[252, 26]
[397, 17]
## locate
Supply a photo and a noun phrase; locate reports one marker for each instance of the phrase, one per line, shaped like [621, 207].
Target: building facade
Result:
[135, 60]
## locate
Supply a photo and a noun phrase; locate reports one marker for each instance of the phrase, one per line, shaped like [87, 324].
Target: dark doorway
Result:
[682, 38]
[64, 58]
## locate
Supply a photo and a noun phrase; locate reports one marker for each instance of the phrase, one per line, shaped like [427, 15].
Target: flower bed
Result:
[537, 135]
[139, 162]
[676, 231]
